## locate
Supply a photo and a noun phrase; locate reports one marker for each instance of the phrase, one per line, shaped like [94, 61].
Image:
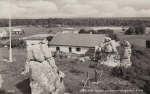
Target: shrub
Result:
[105, 31]
[76, 71]
[92, 66]
[113, 36]
[82, 31]
[130, 31]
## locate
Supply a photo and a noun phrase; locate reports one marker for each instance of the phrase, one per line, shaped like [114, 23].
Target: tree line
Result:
[50, 22]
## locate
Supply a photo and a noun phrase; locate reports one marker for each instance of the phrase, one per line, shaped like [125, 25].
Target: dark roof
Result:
[77, 40]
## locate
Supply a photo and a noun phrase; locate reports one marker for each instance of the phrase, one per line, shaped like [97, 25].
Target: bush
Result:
[105, 31]
[76, 71]
[130, 31]
[82, 31]
[140, 29]
[93, 65]
[113, 36]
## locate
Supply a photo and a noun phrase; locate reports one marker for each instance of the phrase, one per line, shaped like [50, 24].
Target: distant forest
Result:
[51, 22]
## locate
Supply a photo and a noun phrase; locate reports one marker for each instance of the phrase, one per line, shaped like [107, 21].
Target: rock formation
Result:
[112, 56]
[45, 77]
[125, 54]
[1, 81]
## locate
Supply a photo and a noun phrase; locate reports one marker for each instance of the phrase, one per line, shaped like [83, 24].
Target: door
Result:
[70, 49]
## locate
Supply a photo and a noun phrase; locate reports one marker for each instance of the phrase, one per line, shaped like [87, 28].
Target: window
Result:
[78, 49]
[57, 48]
[70, 49]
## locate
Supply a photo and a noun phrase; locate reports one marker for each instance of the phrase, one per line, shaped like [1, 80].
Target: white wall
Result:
[66, 49]
[70, 31]
[30, 42]
[62, 48]
[3, 34]
[83, 50]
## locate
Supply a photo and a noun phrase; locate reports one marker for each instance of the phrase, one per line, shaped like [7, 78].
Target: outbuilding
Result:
[3, 33]
[75, 43]
[33, 39]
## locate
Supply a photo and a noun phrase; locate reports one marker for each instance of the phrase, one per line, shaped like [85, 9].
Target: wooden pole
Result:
[87, 79]
[96, 75]
[10, 44]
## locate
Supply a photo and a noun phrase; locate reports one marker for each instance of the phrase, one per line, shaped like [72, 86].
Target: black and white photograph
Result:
[74, 46]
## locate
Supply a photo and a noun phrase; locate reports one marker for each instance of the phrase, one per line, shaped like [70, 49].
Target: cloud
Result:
[74, 8]
[30, 9]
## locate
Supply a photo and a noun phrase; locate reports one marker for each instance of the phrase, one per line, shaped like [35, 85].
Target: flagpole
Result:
[10, 25]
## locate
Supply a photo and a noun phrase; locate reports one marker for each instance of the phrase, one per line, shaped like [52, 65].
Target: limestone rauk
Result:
[114, 53]
[45, 78]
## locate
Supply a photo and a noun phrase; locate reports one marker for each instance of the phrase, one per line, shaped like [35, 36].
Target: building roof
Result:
[17, 29]
[77, 40]
[37, 37]
[14, 29]
[3, 30]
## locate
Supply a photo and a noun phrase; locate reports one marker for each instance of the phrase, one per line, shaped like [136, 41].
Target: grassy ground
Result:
[74, 70]
[138, 40]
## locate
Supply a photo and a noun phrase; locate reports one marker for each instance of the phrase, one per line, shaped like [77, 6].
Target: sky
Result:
[74, 8]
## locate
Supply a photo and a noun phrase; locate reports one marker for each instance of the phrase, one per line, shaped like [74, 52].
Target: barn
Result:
[69, 30]
[75, 43]
[17, 31]
[33, 39]
[3, 33]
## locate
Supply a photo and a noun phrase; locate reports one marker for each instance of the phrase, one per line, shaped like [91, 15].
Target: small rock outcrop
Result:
[112, 53]
[125, 54]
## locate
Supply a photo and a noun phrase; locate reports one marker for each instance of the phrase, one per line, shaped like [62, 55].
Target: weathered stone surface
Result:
[45, 76]
[125, 54]
[109, 53]
[111, 56]
[1, 81]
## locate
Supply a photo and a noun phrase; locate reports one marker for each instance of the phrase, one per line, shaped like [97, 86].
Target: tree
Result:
[136, 29]
[140, 29]
[82, 31]
[130, 31]
[113, 36]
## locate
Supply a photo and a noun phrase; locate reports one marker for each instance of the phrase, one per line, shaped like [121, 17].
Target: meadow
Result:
[75, 71]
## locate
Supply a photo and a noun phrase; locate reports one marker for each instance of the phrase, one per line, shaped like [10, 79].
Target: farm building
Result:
[3, 33]
[36, 38]
[75, 43]
[17, 31]
[69, 30]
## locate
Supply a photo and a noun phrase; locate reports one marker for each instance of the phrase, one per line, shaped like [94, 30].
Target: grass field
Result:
[138, 40]
[74, 70]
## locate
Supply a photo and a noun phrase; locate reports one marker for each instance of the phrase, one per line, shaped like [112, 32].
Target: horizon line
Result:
[72, 18]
